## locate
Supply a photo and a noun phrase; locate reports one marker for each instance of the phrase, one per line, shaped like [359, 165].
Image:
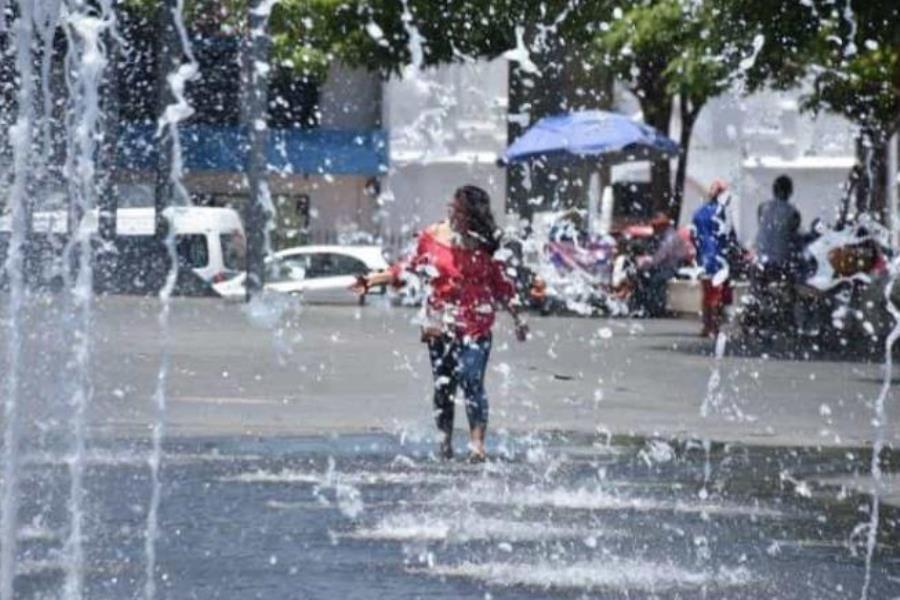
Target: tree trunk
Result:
[516, 193]
[870, 186]
[688, 119]
[657, 108]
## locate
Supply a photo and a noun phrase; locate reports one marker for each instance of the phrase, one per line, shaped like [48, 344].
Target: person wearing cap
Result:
[656, 270]
[714, 237]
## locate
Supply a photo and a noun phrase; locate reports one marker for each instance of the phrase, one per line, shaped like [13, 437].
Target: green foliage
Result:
[310, 34]
[848, 49]
[787, 30]
[640, 43]
[451, 30]
[855, 64]
[669, 48]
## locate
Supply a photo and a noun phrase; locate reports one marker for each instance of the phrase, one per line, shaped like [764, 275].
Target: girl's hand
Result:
[361, 286]
[522, 331]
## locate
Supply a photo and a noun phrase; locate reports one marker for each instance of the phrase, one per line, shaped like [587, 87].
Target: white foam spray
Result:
[85, 31]
[174, 113]
[20, 135]
[880, 422]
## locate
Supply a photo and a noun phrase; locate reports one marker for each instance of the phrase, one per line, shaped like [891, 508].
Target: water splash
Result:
[178, 110]
[464, 527]
[880, 422]
[46, 19]
[747, 63]
[85, 33]
[521, 55]
[259, 77]
[713, 396]
[850, 49]
[593, 575]
[20, 135]
[416, 46]
[595, 498]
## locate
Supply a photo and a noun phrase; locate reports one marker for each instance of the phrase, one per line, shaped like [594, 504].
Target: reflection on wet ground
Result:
[551, 516]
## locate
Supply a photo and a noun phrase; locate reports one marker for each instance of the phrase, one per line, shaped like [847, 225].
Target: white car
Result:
[320, 274]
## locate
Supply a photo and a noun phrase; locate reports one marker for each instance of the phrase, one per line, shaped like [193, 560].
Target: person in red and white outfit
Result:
[466, 285]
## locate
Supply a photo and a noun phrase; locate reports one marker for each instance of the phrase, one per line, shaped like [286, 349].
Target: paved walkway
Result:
[340, 369]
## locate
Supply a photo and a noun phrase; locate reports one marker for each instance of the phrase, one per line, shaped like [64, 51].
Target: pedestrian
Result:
[655, 271]
[777, 241]
[715, 241]
[465, 285]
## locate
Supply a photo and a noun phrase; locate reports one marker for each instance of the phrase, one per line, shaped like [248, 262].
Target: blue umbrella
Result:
[593, 134]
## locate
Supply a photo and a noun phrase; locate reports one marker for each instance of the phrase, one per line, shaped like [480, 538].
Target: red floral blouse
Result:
[466, 285]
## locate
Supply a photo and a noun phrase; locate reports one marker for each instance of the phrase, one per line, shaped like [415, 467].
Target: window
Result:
[192, 251]
[334, 265]
[293, 268]
[234, 251]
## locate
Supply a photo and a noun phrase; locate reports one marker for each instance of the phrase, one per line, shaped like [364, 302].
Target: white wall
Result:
[446, 110]
[447, 127]
[350, 99]
[417, 194]
[749, 141]
[818, 188]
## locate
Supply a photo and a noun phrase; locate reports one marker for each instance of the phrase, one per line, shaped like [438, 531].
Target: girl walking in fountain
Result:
[465, 285]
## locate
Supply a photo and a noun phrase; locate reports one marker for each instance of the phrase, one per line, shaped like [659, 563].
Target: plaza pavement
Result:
[282, 369]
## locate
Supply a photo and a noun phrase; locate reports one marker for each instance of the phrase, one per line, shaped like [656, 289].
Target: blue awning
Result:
[300, 151]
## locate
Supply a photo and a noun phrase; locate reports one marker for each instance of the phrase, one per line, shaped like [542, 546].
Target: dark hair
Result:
[480, 229]
[783, 187]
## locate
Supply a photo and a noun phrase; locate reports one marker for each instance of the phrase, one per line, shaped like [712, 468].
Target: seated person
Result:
[654, 271]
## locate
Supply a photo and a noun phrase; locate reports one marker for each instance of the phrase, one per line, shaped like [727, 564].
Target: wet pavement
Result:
[285, 369]
[298, 462]
[550, 516]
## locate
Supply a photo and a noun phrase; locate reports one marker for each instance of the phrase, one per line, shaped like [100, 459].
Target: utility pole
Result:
[257, 209]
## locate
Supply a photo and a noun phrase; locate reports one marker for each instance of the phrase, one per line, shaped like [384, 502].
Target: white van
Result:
[210, 241]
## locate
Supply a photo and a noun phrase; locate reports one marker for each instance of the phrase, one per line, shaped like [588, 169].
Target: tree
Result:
[689, 51]
[638, 46]
[848, 52]
[855, 66]
[385, 35]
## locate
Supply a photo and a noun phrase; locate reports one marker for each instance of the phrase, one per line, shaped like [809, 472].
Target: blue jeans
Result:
[458, 363]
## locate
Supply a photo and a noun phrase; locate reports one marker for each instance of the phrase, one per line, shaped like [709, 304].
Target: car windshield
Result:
[332, 264]
[192, 251]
